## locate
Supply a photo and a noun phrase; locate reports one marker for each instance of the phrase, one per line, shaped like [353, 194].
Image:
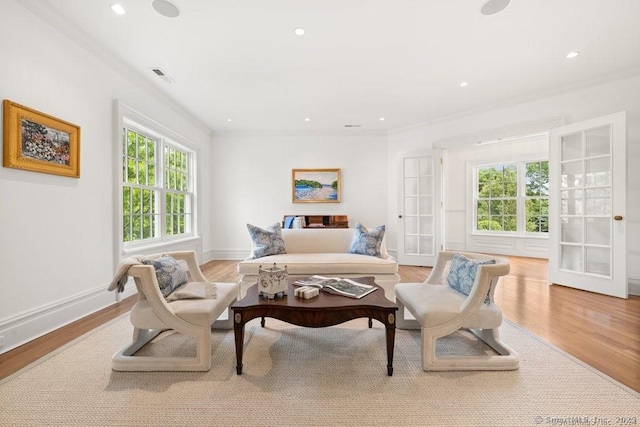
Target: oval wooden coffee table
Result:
[318, 312]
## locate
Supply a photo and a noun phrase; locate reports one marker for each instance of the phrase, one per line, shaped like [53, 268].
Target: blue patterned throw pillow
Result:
[169, 273]
[266, 242]
[462, 273]
[367, 242]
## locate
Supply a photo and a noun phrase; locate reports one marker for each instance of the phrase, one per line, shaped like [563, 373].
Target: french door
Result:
[420, 207]
[587, 224]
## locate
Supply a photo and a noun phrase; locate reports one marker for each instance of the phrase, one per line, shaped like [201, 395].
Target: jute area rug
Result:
[297, 376]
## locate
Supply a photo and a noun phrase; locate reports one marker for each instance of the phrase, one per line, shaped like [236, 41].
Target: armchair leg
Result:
[124, 360]
[140, 338]
[506, 359]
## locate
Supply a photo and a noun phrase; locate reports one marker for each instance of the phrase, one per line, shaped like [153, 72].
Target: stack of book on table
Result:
[337, 286]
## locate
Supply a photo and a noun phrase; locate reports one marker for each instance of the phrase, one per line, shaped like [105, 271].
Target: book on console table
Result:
[337, 286]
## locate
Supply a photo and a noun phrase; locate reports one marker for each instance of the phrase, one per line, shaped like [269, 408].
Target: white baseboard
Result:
[27, 326]
[225, 254]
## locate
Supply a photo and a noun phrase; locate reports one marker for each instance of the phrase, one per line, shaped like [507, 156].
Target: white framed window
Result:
[511, 198]
[157, 186]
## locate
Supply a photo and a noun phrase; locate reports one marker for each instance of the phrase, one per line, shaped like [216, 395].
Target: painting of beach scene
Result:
[316, 185]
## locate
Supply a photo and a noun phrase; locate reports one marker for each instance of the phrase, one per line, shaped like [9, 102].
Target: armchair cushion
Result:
[367, 242]
[462, 273]
[194, 290]
[169, 273]
[266, 242]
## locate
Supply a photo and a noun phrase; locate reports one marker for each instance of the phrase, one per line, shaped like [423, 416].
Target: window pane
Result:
[598, 261]
[137, 227]
[571, 175]
[411, 186]
[126, 228]
[495, 207]
[571, 258]
[146, 201]
[598, 141]
[146, 227]
[510, 223]
[131, 171]
[598, 231]
[483, 222]
[142, 173]
[136, 202]
[571, 146]
[410, 167]
[151, 152]
[126, 200]
[131, 143]
[510, 207]
[598, 172]
[571, 230]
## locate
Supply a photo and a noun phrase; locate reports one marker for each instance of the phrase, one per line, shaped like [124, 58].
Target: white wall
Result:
[58, 244]
[574, 106]
[251, 176]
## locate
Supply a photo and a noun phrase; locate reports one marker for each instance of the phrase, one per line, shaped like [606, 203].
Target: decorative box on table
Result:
[272, 281]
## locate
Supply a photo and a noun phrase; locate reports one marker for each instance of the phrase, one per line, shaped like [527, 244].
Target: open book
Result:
[335, 285]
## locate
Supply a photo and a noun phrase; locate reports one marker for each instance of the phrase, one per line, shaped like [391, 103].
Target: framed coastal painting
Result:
[38, 142]
[315, 185]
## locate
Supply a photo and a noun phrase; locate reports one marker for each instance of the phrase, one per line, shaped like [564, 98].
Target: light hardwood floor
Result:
[602, 331]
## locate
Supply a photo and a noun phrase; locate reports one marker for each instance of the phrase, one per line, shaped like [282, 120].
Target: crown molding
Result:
[624, 74]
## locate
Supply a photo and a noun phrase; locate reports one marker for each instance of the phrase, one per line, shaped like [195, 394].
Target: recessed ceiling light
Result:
[381, 119]
[299, 31]
[228, 120]
[307, 119]
[118, 9]
[165, 8]
[572, 54]
[494, 6]
[464, 84]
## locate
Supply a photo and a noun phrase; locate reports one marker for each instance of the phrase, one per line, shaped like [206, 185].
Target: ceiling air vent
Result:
[352, 126]
[162, 75]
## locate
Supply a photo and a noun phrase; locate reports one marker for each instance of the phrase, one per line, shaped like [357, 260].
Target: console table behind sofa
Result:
[318, 221]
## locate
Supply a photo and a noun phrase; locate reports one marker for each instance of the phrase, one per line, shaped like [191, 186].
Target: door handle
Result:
[618, 217]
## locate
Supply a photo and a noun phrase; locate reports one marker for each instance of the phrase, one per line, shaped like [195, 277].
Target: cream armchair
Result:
[152, 314]
[440, 310]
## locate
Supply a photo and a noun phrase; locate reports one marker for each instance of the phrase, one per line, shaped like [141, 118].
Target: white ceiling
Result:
[359, 59]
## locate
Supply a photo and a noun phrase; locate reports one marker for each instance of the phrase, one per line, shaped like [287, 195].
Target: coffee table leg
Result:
[238, 331]
[262, 322]
[391, 338]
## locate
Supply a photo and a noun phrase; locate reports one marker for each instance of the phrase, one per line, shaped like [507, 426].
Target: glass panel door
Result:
[419, 208]
[587, 239]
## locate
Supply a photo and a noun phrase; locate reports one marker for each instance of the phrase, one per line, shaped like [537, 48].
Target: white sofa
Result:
[323, 252]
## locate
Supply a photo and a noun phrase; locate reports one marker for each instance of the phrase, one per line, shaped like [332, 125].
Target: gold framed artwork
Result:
[38, 142]
[315, 185]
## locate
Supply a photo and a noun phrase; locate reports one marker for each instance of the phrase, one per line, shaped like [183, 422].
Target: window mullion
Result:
[160, 177]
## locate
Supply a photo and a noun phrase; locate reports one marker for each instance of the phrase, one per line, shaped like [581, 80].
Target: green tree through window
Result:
[154, 171]
[498, 198]
[537, 197]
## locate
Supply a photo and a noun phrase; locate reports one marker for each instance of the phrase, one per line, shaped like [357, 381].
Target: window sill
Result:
[158, 246]
[512, 236]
